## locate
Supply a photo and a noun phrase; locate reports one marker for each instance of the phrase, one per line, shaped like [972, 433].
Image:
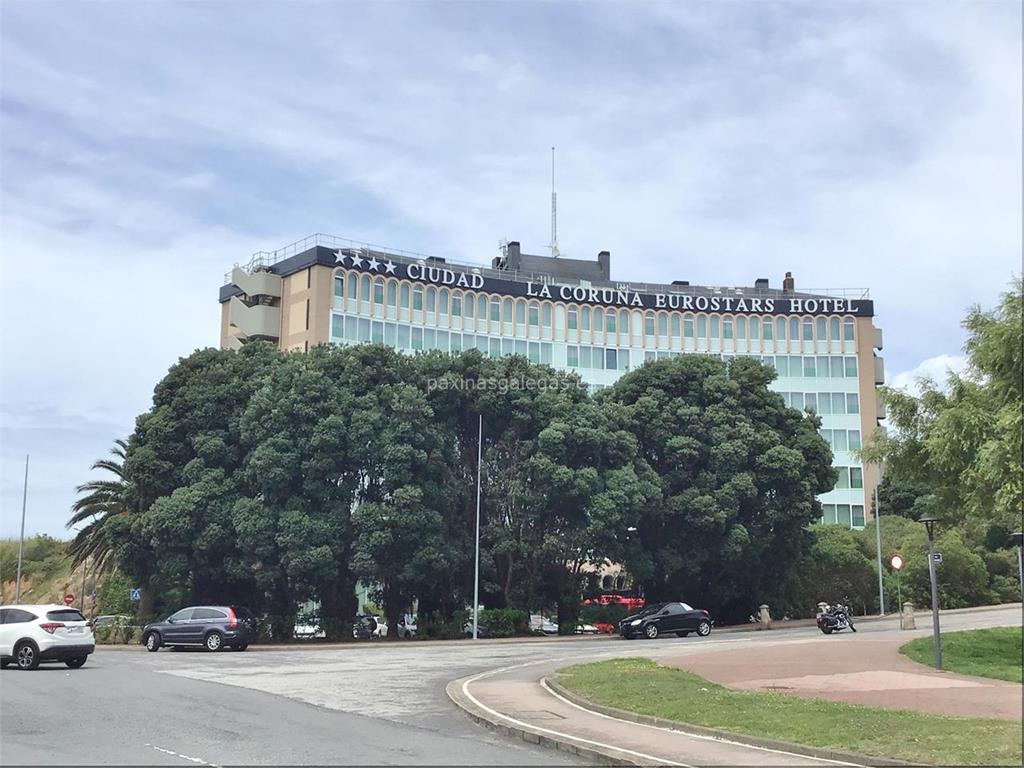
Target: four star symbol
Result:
[372, 264]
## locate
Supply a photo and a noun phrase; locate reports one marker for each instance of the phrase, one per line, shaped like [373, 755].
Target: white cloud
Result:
[936, 369]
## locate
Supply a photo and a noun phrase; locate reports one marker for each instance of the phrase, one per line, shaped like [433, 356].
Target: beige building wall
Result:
[305, 308]
[869, 408]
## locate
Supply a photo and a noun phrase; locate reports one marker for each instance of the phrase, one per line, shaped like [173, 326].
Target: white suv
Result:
[30, 634]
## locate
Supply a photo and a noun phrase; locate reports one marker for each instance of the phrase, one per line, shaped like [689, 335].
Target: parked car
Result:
[586, 629]
[541, 625]
[209, 626]
[32, 634]
[407, 627]
[666, 619]
[107, 619]
[364, 627]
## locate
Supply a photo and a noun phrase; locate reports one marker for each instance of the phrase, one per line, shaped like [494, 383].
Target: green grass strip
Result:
[644, 687]
[996, 653]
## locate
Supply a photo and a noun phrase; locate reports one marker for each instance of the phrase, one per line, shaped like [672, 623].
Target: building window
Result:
[545, 354]
[796, 400]
[534, 352]
[843, 515]
[808, 326]
[702, 327]
[598, 322]
[848, 329]
[820, 329]
[495, 310]
[456, 305]
[417, 297]
[851, 367]
[836, 366]
[506, 310]
[545, 315]
[676, 331]
[572, 356]
[431, 298]
[662, 325]
[856, 477]
[649, 324]
[585, 319]
[392, 293]
[624, 320]
[534, 314]
[858, 515]
[688, 326]
[417, 338]
[442, 301]
[623, 359]
[468, 305]
[854, 436]
[844, 478]
[352, 286]
[809, 367]
[339, 291]
[364, 288]
[741, 327]
[811, 402]
[520, 312]
[766, 327]
[727, 327]
[822, 366]
[573, 320]
[610, 321]
[611, 359]
[794, 329]
[378, 291]
[828, 514]
[780, 329]
[337, 326]
[852, 403]
[481, 310]
[833, 329]
[714, 327]
[377, 332]
[840, 441]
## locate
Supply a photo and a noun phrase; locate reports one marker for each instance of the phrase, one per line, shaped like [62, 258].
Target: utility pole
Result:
[476, 566]
[878, 552]
[21, 538]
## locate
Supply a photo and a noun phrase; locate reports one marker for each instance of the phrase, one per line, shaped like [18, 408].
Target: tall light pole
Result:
[878, 554]
[929, 523]
[21, 538]
[1017, 540]
[476, 566]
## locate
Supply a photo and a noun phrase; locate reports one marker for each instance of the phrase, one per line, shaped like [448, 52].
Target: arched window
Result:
[495, 309]
[766, 326]
[741, 327]
[585, 319]
[431, 298]
[610, 321]
[506, 310]
[663, 325]
[819, 329]
[833, 329]
[534, 313]
[702, 326]
[848, 329]
[353, 286]
[403, 296]
[676, 332]
[469, 305]
[392, 293]
[794, 329]
[688, 326]
[726, 327]
[808, 329]
[573, 318]
[456, 304]
[598, 320]
[364, 287]
[417, 297]
[520, 311]
[545, 315]
[649, 324]
[442, 301]
[378, 290]
[780, 329]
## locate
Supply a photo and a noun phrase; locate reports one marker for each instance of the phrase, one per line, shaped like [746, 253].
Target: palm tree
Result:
[105, 500]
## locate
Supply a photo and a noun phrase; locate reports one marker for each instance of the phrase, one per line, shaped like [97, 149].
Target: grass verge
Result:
[642, 686]
[997, 653]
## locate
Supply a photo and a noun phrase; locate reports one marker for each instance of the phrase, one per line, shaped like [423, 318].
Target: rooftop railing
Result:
[266, 259]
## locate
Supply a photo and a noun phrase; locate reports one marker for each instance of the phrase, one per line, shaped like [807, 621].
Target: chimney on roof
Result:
[761, 283]
[788, 283]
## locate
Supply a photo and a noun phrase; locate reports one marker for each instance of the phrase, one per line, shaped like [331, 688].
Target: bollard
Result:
[764, 618]
[907, 616]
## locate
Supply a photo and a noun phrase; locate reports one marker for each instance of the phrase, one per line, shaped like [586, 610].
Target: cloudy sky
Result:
[146, 147]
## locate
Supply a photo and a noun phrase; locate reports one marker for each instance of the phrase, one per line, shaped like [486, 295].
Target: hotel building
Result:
[570, 314]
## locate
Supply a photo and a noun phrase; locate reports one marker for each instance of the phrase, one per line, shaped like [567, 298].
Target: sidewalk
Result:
[858, 668]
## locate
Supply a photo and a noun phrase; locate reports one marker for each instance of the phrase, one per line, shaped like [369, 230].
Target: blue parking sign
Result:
[135, 594]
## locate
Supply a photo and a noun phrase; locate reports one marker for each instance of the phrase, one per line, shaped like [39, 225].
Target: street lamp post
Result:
[21, 538]
[929, 523]
[878, 556]
[1017, 540]
[476, 565]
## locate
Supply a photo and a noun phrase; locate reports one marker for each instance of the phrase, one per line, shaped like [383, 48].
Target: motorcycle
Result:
[835, 618]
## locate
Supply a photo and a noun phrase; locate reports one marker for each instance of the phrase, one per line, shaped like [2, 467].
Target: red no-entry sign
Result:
[69, 599]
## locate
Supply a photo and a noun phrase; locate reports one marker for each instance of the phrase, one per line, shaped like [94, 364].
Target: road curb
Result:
[715, 733]
[530, 736]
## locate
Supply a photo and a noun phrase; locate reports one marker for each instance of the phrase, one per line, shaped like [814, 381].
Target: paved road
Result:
[373, 703]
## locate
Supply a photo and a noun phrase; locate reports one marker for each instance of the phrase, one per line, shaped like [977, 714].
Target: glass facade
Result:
[815, 357]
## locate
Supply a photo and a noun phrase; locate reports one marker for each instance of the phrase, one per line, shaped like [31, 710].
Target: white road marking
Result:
[471, 697]
[702, 737]
[198, 760]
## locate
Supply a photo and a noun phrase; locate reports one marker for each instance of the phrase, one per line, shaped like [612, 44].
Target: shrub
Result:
[603, 614]
[505, 622]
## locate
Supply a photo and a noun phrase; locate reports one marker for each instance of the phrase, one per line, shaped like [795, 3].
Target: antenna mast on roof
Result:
[554, 209]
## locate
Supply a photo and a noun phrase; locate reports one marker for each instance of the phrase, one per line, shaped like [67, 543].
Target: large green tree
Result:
[738, 473]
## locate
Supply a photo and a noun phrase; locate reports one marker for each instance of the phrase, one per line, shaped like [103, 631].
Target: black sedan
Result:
[666, 619]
